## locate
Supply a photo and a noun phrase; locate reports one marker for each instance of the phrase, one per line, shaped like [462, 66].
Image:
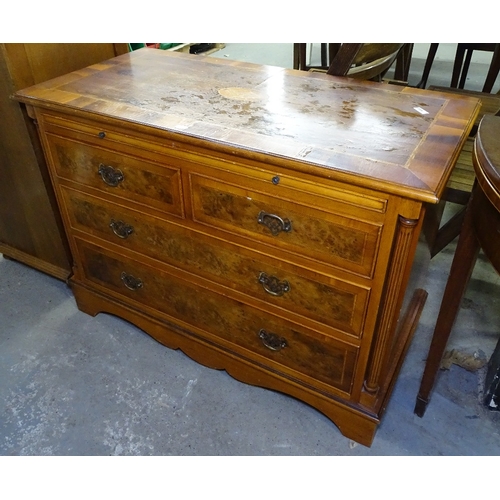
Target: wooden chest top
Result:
[396, 139]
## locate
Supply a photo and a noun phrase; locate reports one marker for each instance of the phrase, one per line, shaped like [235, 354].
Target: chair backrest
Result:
[366, 61]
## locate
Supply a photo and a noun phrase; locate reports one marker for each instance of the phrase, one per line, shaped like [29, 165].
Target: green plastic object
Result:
[163, 46]
[135, 46]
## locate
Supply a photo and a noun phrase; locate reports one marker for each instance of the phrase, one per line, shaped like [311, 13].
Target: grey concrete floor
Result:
[71, 384]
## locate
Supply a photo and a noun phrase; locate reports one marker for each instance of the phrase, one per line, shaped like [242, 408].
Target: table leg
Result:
[461, 269]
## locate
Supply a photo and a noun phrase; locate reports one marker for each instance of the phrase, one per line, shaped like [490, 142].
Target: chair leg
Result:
[493, 71]
[324, 54]
[428, 65]
[296, 55]
[432, 221]
[303, 62]
[303, 56]
[333, 48]
[465, 69]
[457, 66]
[403, 63]
[448, 232]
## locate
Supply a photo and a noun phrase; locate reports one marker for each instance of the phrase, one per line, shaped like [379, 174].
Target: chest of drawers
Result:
[264, 221]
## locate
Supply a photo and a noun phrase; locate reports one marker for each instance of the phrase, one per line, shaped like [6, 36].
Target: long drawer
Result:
[278, 344]
[327, 300]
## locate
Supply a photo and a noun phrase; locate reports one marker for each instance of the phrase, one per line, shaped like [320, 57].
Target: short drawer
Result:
[280, 345]
[134, 179]
[333, 302]
[332, 238]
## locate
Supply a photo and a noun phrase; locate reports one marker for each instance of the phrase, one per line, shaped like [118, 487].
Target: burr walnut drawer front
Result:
[133, 178]
[252, 333]
[284, 223]
[324, 299]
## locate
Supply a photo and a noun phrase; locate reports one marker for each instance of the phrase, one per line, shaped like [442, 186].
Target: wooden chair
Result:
[461, 68]
[366, 61]
[328, 51]
[361, 60]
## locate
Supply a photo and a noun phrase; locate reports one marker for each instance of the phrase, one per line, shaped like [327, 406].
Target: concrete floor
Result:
[76, 385]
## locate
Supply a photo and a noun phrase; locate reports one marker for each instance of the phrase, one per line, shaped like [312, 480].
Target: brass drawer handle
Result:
[272, 341]
[121, 229]
[273, 285]
[274, 223]
[131, 282]
[110, 175]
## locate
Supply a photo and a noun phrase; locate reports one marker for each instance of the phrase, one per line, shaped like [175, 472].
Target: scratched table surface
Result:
[395, 138]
